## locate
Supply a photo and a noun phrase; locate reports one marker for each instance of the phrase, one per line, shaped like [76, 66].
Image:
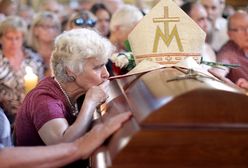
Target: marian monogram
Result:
[167, 36]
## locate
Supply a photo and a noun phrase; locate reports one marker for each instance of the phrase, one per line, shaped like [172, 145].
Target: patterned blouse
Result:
[12, 90]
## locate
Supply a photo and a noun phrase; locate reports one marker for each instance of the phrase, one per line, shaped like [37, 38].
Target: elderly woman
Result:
[85, 19]
[121, 24]
[14, 58]
[49, 114]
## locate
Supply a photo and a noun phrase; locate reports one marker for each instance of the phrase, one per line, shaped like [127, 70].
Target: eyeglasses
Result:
[240, 29]
[84, 22]
[48, 26]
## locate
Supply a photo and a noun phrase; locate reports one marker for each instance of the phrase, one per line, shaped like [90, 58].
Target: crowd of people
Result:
[70, 49]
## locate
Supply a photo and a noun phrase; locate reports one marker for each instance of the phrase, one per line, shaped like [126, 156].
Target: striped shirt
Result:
[12, 82]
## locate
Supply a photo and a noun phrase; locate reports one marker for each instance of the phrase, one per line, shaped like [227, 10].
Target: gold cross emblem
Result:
[167, 37]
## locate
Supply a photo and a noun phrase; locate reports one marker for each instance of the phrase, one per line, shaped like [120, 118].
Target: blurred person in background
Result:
[235, 51]
[228, 11]
[55, 7]
[9, 7]
[81, 19]
[222, 7]
[219, 24]
[51, 6]
[85, 5]
[45, 27]
[198, 13]
[113, 5]
[121, 24]
[103, 16]
[26, 12]
[14, 58]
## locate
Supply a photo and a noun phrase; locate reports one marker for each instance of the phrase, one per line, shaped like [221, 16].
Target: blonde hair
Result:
[41, 18]
[13, 23]
[73, 47]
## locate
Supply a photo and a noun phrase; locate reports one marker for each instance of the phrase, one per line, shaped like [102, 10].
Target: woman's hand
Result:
[98, 94]
[98, 134]
[242, 83]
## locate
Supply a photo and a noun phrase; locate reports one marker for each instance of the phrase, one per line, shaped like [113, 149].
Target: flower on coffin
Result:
[123, 60]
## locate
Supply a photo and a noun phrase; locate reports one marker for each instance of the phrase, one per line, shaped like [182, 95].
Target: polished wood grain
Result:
[183, 123]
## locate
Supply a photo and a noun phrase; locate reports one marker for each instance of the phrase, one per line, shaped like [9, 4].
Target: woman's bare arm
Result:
[62, 154]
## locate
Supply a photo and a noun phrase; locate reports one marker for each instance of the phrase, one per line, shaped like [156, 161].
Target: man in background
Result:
[218, 34]
[235, 51]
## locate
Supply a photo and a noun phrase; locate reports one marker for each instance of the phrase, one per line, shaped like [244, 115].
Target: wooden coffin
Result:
[179, 120]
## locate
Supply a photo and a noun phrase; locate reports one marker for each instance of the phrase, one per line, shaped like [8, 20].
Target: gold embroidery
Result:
[166, 36]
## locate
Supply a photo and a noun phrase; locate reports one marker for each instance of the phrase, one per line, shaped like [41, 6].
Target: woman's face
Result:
[12, 41]
[103, 19]
[47, 31]
[94, 73]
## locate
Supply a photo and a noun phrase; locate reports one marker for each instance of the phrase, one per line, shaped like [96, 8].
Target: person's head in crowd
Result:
[122, 23]
[228, 11]
[45, 27]
[12, 35]
[113, 5]
[15, 58]
[103, 16]
[9, 7]
[238, 29]
[81, 53]
[198, 13]
[222, 7]
[85, 4]
[50, 5]
[26, 12]
[53, 6]
[81, 19]
[213, 8]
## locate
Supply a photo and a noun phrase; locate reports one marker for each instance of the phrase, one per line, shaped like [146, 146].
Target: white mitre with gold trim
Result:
[166, 35]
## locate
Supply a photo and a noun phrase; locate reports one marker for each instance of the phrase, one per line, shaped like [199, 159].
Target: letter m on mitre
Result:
[166, 36]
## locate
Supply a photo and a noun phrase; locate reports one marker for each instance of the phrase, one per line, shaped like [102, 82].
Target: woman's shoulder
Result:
[32, 54]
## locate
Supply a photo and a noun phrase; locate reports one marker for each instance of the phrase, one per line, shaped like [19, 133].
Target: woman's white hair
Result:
[73, 47]
[127, 16]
